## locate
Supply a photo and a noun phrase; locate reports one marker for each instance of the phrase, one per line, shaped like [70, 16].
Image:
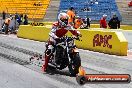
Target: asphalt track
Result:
[16, 72]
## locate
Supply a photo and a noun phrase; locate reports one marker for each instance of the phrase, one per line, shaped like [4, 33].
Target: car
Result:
[130, 4]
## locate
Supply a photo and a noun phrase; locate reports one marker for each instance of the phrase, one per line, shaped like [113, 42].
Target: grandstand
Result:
[33, 8]
[49, 9]
[91, 8]
[52, 10]
[96, 10]
[125, 11]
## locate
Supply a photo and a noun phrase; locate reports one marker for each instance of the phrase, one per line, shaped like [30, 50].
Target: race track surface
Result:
[16, 72]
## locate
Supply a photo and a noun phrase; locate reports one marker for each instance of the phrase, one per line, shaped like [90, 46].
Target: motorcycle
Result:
[65, 54]
[4, 28]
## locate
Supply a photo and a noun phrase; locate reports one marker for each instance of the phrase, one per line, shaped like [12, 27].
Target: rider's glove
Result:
[58, 40]
[79, 34]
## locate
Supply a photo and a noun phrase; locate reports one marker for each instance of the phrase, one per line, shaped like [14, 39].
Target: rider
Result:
[59, 29]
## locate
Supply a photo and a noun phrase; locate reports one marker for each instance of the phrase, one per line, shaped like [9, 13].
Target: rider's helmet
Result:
[63, 19]
[105, 16]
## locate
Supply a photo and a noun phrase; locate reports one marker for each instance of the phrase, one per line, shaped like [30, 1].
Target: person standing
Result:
[114, 22]
[25, 20]
[71, 14]
[4, 15]
[103, 23]
[21, 19]
[6, 24]
[88, 22]
[78, 22]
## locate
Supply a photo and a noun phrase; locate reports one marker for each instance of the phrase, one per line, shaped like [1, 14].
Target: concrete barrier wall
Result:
[40, 23]
[38, 33]
[110, 42]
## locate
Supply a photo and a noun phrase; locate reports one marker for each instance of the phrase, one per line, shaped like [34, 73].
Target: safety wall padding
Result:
[110, 42]
[38, 33]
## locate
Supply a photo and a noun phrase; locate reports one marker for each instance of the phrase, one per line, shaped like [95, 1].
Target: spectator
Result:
[21, 19]
[71, 14]
[93, 1]
[86, 23]
[25, 20]
[5, 27]
[18, 18]
[86, 9]
[35, 4]
[4, 15]
[114, 22]
[130, 4]
[103, 23]
[78, 22]
[39, 3]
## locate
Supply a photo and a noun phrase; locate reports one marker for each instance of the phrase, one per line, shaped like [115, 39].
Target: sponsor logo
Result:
[103, 78]
[100, 40]
[37, 24]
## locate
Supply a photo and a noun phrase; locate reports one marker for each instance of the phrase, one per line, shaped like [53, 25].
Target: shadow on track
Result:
[53, 71]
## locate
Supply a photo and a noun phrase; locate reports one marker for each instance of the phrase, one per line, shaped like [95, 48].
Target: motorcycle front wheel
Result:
[75, 64]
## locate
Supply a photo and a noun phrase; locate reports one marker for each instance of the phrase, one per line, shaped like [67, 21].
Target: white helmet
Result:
[63, 19]
[104, 15]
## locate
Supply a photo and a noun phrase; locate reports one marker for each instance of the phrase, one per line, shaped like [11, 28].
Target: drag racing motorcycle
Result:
[66, 54]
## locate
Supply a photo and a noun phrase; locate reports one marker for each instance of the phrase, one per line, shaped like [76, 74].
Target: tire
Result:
[64, 64]
[74, 65]
[81, 80]
[61, 58]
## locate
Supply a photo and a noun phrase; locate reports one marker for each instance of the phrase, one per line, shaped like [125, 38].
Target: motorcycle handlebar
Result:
[74, 38]
[67, 38]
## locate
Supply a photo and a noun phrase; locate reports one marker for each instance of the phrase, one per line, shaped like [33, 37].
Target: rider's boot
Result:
[45, 65]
